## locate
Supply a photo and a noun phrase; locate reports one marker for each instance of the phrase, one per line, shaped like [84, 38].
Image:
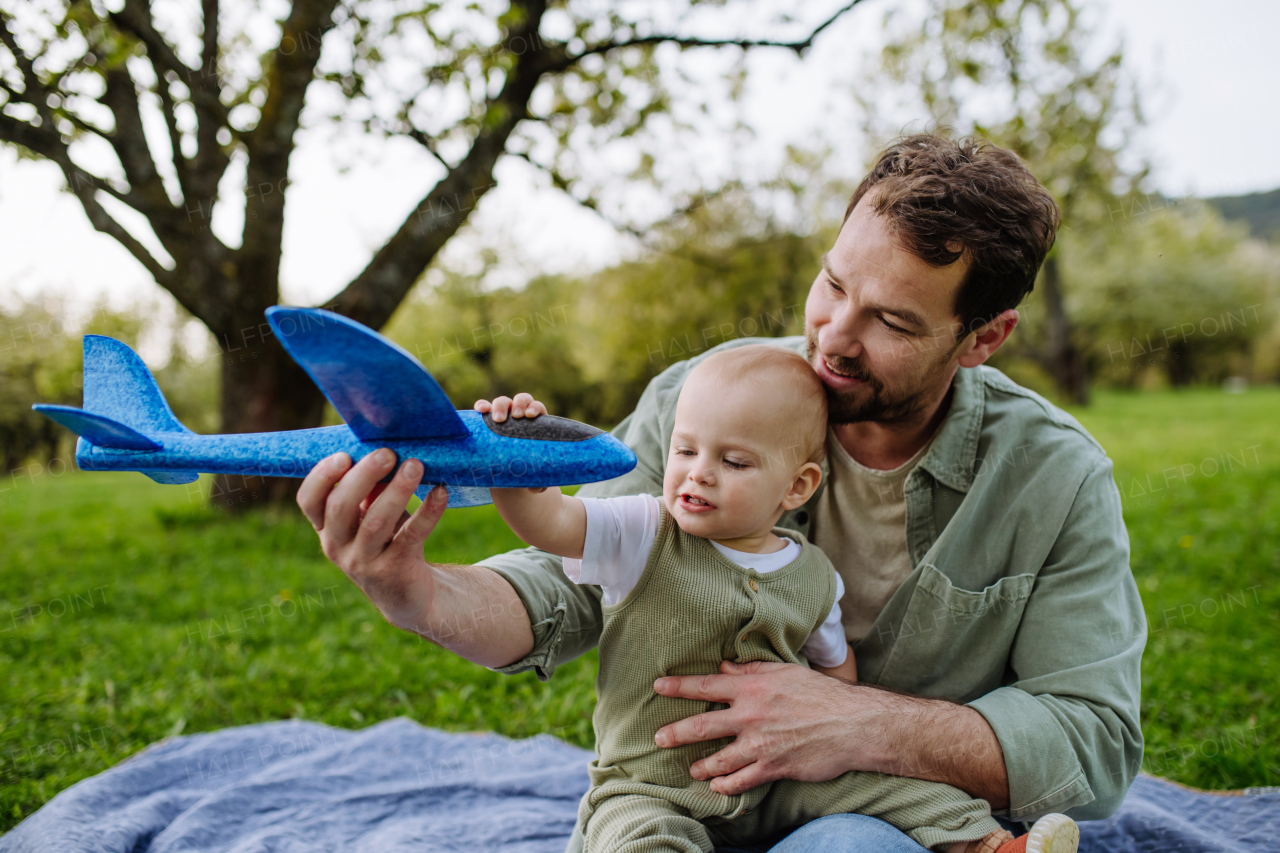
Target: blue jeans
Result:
[838, 833]
[846, 833]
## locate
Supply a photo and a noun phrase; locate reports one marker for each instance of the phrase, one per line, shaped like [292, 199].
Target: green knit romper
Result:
[691, 609]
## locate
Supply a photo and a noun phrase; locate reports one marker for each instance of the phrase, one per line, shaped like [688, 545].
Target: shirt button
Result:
[802, 517]
[753, 586]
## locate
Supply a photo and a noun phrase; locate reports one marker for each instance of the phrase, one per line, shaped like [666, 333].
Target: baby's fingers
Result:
[525, 406]
[497, 409]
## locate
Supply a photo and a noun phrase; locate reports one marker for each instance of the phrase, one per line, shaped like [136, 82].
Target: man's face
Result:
[879, 326]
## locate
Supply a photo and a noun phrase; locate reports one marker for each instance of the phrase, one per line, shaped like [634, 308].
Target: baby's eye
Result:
[683, 451]
[732, 463]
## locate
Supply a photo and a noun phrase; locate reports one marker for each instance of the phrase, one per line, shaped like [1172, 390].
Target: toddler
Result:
[702, 576]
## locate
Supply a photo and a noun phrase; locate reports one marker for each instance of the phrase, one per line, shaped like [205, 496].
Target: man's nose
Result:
[842, 335]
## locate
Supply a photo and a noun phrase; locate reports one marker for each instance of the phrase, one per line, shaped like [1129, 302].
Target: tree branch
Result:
[135, 19]
[591, 203]
[130, 143]
[426, 142]
[800, 47]
[38, 140]
[644, 235]
[271, 144]
[34, 92]
[373, 295]
[209, 43]
[169, 109]
[205, 170]
[14, 94]
[85, 126]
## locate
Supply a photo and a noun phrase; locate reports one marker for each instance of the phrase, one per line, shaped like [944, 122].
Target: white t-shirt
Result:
[621, 532]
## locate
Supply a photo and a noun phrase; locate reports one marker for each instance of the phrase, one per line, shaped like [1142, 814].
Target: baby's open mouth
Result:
[695, 502]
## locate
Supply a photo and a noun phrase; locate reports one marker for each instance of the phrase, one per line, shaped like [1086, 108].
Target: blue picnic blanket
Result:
[300, 787]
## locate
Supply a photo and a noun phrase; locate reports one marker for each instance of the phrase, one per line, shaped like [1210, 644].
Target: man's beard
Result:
[871, 401]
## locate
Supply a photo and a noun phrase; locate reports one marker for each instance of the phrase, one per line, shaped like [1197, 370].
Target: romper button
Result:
[753, 585]
[742, 639]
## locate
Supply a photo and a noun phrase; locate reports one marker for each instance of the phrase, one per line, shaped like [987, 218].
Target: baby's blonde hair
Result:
[787, 381]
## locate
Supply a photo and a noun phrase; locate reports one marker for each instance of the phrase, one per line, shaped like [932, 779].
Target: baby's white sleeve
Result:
[620, 533]
[827, 646]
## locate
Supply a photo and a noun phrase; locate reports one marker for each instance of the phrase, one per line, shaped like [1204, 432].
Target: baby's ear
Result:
[805, 484]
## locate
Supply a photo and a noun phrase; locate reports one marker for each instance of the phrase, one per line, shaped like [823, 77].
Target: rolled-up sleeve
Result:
[564, 616]
[1069, 725]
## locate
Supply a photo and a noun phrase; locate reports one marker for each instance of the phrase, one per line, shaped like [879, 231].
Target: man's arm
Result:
[793, 723]
[365, 530]
[1070, 725]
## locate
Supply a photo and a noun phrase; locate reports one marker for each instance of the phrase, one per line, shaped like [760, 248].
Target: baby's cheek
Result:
[670, 481]
[671, 491]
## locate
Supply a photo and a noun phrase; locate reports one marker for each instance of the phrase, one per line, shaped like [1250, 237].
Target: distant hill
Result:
[1260, 210]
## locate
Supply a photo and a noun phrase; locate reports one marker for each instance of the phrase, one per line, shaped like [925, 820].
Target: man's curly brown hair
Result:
[948, 199]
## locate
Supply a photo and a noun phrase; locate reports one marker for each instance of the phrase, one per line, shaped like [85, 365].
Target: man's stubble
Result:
[875, 401]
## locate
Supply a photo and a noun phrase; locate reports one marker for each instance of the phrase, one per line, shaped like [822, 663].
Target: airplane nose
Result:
[621, 459]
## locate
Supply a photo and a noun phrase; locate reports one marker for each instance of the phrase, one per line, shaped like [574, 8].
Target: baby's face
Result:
[731, 461]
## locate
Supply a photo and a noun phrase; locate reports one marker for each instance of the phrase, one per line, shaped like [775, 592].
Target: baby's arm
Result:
[828, 645]
[847, 670]
[543, 517]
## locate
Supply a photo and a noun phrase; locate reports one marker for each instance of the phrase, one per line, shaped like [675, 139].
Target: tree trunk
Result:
[1179, 364]
[1061, 358]
[263, 390]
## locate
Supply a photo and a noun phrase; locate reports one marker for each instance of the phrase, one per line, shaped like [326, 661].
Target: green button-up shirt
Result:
[1020, 604]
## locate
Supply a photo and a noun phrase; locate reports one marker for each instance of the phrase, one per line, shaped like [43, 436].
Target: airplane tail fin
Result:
[118, 385]
[123, 406]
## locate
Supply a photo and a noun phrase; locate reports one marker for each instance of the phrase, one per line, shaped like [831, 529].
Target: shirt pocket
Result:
[954, 642]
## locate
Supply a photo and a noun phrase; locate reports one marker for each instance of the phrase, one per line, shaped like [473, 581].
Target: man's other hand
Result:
[788, 722]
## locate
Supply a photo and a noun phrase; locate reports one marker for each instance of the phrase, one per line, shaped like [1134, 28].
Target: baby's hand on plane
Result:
[523, 406]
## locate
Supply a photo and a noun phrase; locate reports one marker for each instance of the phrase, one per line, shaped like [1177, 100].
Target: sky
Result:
[1208, 74]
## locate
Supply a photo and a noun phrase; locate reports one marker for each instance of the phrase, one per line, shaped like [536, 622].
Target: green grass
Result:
[140, 615]
[128, 613]
[1199, 476]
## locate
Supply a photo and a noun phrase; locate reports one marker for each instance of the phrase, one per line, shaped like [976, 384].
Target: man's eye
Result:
[893, 327]
[833, 285]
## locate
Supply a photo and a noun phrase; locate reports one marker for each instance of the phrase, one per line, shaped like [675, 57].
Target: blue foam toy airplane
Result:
[385, 395]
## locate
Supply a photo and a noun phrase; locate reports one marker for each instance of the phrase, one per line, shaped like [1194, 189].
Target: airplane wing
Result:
[378, 387]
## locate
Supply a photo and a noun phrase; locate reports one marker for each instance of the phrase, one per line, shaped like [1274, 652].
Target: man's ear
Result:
[988, 338]
[805, 484]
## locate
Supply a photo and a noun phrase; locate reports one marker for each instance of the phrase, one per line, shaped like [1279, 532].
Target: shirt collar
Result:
[955, 449]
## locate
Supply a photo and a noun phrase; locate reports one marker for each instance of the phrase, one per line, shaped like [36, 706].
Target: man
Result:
[997, 628]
